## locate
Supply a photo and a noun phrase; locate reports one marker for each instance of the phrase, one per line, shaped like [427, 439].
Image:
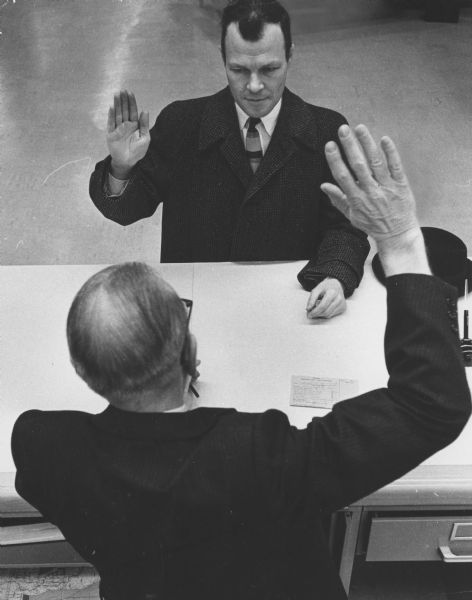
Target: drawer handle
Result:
[449, 556]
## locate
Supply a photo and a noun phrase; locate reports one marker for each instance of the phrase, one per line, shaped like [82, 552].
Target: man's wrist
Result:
[405, 253]
[341, 285]
[116, 186]
[119, 171]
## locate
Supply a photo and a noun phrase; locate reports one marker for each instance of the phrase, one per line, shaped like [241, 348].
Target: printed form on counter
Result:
[320, 392]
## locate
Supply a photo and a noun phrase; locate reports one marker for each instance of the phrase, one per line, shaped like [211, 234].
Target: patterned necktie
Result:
[253, 144]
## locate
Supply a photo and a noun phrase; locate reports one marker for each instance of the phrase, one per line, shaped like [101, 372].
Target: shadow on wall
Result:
[441, 11]
[316, 15]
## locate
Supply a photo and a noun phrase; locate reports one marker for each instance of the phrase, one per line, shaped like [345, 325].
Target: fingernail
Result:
[330, 147]
[344, 131]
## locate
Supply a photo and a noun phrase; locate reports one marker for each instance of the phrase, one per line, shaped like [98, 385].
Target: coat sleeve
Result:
[148, 184]
[343, 248]
[366, 442]
[28, 481]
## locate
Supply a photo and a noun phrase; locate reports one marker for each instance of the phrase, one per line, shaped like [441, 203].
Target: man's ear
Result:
[290, 52]
[189, 355]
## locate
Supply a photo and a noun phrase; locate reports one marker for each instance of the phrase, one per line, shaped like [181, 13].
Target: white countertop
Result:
[251, 327]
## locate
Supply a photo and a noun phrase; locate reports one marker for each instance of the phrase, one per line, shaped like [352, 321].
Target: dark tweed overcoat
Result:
[214, 504]
[216, 209]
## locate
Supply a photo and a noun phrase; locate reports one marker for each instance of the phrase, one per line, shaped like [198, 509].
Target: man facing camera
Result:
[213, 503]
[238, 172]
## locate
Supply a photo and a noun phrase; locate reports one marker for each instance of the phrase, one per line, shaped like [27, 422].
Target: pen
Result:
[466, 311]
[191, 387]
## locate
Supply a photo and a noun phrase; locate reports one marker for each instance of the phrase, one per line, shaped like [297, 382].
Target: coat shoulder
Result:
[178, 125]
[326, 119]
[46, 425]
[188, 110]
[320, 112]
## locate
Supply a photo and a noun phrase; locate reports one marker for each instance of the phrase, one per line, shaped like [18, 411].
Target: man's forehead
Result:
[270, 47]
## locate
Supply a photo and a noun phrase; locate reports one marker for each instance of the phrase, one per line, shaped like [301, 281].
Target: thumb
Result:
[337, 197]
[315, 297]
[144, 124]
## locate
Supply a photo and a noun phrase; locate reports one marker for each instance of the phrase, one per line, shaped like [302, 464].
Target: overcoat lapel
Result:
[294, 123]
[220, 124]
[233, 150]
[278, 153]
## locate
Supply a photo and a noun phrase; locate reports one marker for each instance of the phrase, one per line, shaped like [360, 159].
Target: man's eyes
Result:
[264, 70]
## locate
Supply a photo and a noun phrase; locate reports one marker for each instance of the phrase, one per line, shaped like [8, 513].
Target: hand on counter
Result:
[326, 300]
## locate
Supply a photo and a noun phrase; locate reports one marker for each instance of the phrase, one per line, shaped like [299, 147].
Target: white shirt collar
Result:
[269, 121]
[179, 409]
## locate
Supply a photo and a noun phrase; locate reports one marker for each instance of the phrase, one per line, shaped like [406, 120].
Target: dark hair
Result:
[126, 330]
[251, 16]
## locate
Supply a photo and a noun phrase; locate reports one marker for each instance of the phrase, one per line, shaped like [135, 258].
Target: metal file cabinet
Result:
[424, 516]
[418, 538]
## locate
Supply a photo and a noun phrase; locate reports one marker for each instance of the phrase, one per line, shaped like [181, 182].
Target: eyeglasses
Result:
[188, 307]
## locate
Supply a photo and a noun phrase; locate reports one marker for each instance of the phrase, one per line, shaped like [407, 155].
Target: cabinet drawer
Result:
[36, 545]
[45, 554]
[448, 539]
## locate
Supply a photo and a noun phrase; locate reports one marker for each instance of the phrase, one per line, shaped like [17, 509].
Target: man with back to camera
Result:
[212, 503]
[238, 172]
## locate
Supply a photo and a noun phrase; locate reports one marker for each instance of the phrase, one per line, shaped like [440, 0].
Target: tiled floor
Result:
[62, 61]
[15, 583]
[371, 581]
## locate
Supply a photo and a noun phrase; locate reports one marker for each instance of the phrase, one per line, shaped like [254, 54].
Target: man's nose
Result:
[254, 85]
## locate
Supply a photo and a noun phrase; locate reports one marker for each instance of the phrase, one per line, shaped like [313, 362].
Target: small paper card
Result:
[320, 392]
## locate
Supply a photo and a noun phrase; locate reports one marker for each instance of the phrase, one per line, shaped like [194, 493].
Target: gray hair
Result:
[126, 330]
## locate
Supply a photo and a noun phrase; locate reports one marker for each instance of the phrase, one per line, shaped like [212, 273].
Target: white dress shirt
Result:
[179, 409]
[265, 127]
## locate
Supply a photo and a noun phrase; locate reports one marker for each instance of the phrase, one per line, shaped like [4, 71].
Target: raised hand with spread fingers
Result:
[128, 135]
[377, 198]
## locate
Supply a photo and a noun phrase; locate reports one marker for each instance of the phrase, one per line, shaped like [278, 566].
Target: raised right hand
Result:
[377, 198]
[128, 135]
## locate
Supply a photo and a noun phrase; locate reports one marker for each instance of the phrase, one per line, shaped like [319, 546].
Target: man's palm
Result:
[127, 144]
[128, 135]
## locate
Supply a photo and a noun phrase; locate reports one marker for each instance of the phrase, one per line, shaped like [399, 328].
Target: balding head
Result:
[126, 331]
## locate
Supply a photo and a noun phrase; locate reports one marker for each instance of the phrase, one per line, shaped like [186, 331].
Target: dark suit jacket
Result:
[217, 504]
[216, 209]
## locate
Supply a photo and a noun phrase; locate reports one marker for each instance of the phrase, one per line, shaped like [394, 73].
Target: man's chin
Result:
[257, 109]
